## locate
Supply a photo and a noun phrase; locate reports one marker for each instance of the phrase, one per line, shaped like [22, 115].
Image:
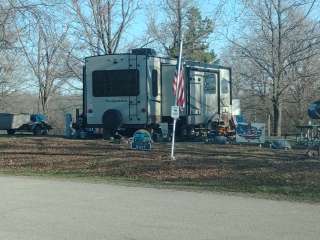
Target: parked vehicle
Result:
[133, 91]
[35, 123]
[281, 144]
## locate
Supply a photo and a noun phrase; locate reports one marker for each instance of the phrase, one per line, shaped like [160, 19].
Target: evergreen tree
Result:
[196, 36]
[183, 19]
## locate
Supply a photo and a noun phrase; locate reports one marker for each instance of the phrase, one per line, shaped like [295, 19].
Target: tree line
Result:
[273, 50]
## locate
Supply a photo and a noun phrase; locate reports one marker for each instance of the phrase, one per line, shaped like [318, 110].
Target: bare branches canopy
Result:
[282, 38]
[274, 52]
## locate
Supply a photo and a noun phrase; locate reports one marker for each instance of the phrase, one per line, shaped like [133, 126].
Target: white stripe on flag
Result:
[180, 96]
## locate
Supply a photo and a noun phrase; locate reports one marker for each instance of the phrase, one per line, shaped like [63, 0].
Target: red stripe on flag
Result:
[179, 89]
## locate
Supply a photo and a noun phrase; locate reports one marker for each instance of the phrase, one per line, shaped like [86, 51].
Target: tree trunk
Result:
[109, 31]
[277, 117]
[179, 22]
[45, 105]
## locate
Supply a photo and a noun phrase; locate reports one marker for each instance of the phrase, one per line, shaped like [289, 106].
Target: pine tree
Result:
[183, 19]
[198, 30]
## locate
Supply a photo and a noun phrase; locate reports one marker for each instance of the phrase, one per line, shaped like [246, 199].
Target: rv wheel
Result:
[157, 137]
[186, 131]
[106, 134]
[112, 120]
[11, 131]
[37, 130]
[44, 132]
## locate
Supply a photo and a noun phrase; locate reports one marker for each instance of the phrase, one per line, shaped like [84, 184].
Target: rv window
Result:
[154, 83]
[114, 83]
[210, 84]
[224, 86]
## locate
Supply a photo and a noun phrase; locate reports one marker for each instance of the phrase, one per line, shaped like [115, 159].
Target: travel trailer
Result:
[134, 90]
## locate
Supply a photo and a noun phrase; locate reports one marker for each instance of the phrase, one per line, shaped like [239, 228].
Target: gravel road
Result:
[33, 208]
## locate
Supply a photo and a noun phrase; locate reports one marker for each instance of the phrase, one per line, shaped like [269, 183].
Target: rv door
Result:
[225, 91]
[154, 90]
[211, 94]
[168, 98]
[195, 96]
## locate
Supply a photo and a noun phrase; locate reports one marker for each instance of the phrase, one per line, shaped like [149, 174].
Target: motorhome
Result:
[134, 90]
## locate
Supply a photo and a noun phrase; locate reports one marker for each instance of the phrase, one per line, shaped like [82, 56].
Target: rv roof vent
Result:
[144, 51]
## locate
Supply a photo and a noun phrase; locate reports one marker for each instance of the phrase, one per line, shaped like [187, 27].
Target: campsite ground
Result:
[232, 168]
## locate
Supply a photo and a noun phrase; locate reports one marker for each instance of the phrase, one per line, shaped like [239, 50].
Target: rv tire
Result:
[11, 131]
[112, 119]
[107, 134]
[37, 130]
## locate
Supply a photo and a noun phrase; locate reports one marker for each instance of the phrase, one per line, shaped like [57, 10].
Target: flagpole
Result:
[175, 119]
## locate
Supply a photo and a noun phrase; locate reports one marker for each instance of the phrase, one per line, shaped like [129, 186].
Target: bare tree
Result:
[8, 59]
[43, 42]
[177, 19]
[281, 35]
[5, 16]
[100, 24]
[75, 67]
[9, 77]
[304, 88]
[169, 32]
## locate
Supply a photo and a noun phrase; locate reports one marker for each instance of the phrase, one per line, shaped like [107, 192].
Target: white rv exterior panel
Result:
[132, 108]
[13, 121]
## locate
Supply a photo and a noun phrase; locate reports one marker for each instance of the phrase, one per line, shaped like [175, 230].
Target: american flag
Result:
[178, 88]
